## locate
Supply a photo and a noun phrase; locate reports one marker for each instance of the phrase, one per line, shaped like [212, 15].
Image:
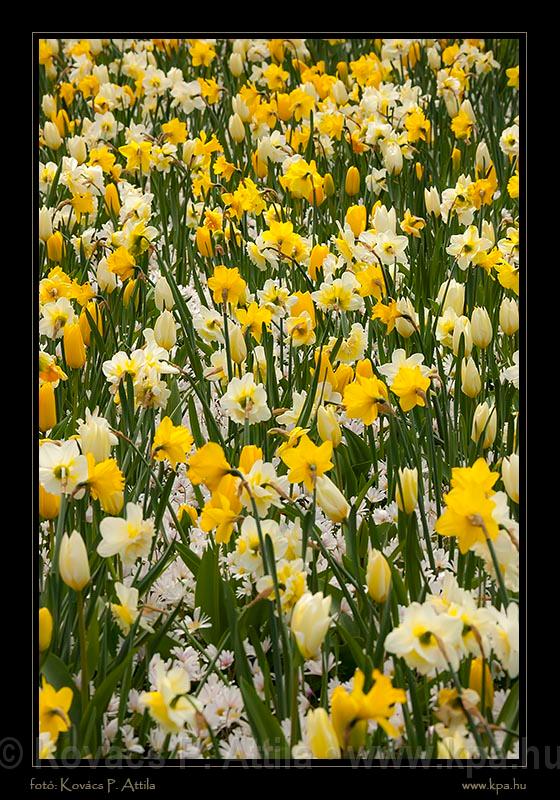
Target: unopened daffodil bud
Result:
[481, 327]
[456, 157]
[238, 348]
[45, 629]
[55, 246]
[434, 57]
[342, 70]
[318, 255]
[510, 476]
[48, 104]
[470, 378]
[328, 425]
[77, 148]
[163, 296]
[378, 576]
[419, 169]
[112, 200]
[129, 292]
[484, 420]
[204, 242]
[452, 295]
[73, 562]
[356, 218]
[328, 185]
[113, 504]
[339, 93]
[47, 407]
[310, 622]
[488, 232]
[235, 65]
[432, 201]
[352, 182]
[509, 316]
[475, 681]
[51, 135]
[165, 330]
[45, 223]
[330, 499]
[236, 128]
[406, 494]
[74, 347]
[321, 735]
[462, 330]
[482, 159]
[95, 313]
[49, 504]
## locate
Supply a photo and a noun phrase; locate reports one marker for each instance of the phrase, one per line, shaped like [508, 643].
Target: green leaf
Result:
[208, 595]
[265, 726]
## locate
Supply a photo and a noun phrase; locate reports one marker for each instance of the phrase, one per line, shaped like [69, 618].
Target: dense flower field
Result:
[278, 398]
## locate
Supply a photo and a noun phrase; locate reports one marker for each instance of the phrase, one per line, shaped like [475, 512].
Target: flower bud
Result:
[165, 331]
[378, 576]
[432, 201]
[236, 128]
[510, 476]
[310, 622]
[73, 562]
[48, 104]
[356, 218]
[163, 296]
[318, 255]
[321, 735]
[452, 295]
[49, 504]
[188, 152]
[55, 246]
[235, 65]
[239, 106]
[475, 681]
[113, 504]
[352, 182]
[419, 169]
[470, 378]
[129, 292]
[204, 242]
[482, 159]
[339, 93]
[434, 58]
[237, 346]
[342, 70]
[77, 148]
[393, 158]
[481, 327]
[408, 500]
[407, 323]
[74, 348]
[509, 316]
[456, 157]
[45, 629]
[51, 136]
[488, 232]
[328, 425]
[330, 499]
[328, 185]
[462, 329]
[47, 407]
[484, 419]
[106, 280]
[112, 200]
[45, 223]
[95, 313]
